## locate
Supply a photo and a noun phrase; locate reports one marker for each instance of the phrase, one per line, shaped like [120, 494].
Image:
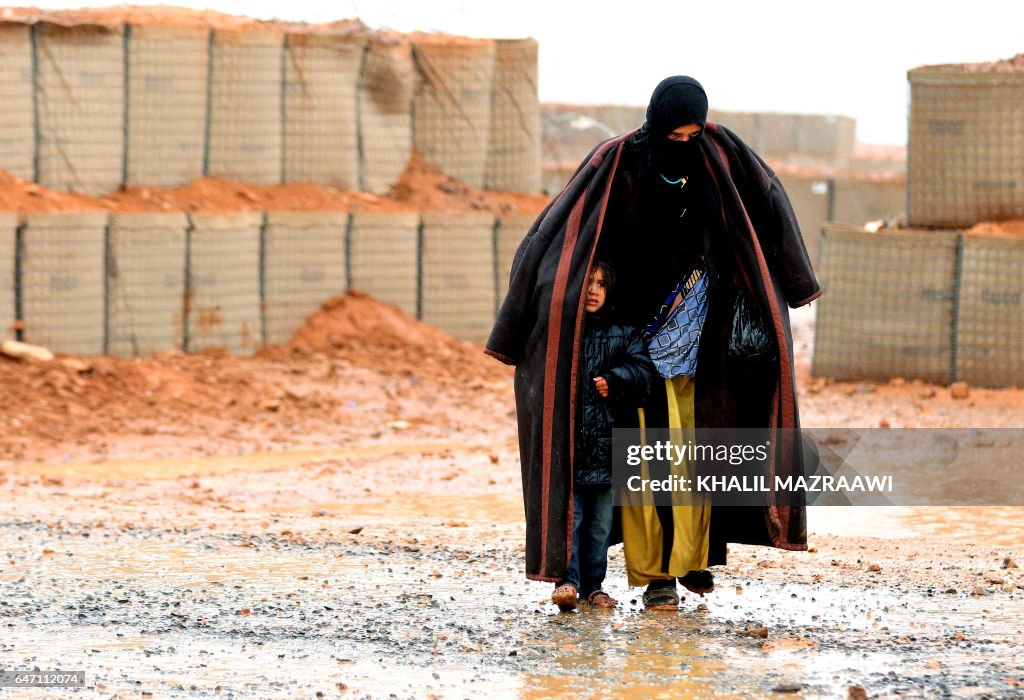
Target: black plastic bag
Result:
[752, 345]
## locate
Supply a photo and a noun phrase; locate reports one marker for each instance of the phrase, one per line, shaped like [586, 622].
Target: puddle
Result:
[991, 525]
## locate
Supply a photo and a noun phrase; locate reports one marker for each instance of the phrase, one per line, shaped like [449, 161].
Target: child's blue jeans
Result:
[591, 530]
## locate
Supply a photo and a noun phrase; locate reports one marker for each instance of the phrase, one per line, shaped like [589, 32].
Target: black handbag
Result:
[752, 345]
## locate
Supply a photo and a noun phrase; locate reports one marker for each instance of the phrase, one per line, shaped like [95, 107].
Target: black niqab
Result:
[675, 102]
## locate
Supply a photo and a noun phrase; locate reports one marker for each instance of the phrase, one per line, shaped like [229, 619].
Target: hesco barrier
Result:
[92, 107]
[223, 294]
[321, 75]
[859, 201]
[136, 283]
[990, 314]
[383, 257]
[145, 283]
[453, 106]
[303, 265]
[513, 158]
[458, 292]
[80, 105]
[386, 88]
[826, 138]
[245, 138]
[62, 285]
[965, 152]
[166, 104]
[817, 200]
[8, 243]
[888, 305]
[17, 134]
[509, 233]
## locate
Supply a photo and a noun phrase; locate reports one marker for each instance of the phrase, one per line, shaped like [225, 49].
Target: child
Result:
[616, 374]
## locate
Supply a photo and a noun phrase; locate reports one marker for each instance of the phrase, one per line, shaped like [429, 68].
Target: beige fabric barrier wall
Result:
[223, 298]
[458, 273]
[513, 158]
[965, 150]
[887, 306]
[453, 106]
[386, 87]
[62, 281]
[146, 283]
[304, 265]
[512, 230]
[8, 241]
[990, 325]
[384, 257]
[80, 95]
[17, 133]
[321, 75]
[860, 201]
[166, 119]
[825, 138]
[245, 107]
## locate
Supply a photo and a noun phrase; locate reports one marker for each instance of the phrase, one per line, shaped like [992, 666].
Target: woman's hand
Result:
[601, 384]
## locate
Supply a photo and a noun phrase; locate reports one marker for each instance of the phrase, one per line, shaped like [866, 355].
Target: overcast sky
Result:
[813, 56]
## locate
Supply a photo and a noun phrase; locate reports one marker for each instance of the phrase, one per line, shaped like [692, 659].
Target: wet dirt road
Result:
[348, 573]
[375, 550]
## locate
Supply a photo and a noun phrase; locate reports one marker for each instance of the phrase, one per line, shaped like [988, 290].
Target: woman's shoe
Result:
[700, 582]
[661, 597]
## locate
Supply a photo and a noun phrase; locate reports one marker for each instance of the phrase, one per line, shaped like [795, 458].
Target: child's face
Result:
[597, 290]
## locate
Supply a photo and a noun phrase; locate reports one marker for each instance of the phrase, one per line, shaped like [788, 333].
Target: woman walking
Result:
[676, 201]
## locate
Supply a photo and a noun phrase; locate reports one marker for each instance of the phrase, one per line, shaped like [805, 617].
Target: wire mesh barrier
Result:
[990, 315]
[8, 262]
[938, 306]
[145, 283]
[386, 87]
[888, 305]
[965, 150]
[458, 292]
[17, 134]
[166, 104]
[513, 156]
[384, 257]
[79, 89]
[61, 265]
[222, 297]
[453, 106]
[245, 103]
[321, 75]
[893, 302]
[509, 232]
[303, 265]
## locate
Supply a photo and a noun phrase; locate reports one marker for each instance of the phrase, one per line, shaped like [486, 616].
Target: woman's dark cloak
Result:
[538, 329]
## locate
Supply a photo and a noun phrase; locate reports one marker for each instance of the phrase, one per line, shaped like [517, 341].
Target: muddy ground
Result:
[331, 519]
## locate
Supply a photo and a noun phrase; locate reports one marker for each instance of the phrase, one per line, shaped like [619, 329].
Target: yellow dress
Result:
[642, 534]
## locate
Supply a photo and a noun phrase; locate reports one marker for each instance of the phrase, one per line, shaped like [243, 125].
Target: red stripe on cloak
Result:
[784, 405]
[577, 333]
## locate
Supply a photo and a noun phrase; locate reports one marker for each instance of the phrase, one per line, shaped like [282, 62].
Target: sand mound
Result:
[371, 333]
[1012, 227]
[353, 364]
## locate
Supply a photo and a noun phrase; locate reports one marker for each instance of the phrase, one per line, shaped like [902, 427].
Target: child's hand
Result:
[601, 384]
